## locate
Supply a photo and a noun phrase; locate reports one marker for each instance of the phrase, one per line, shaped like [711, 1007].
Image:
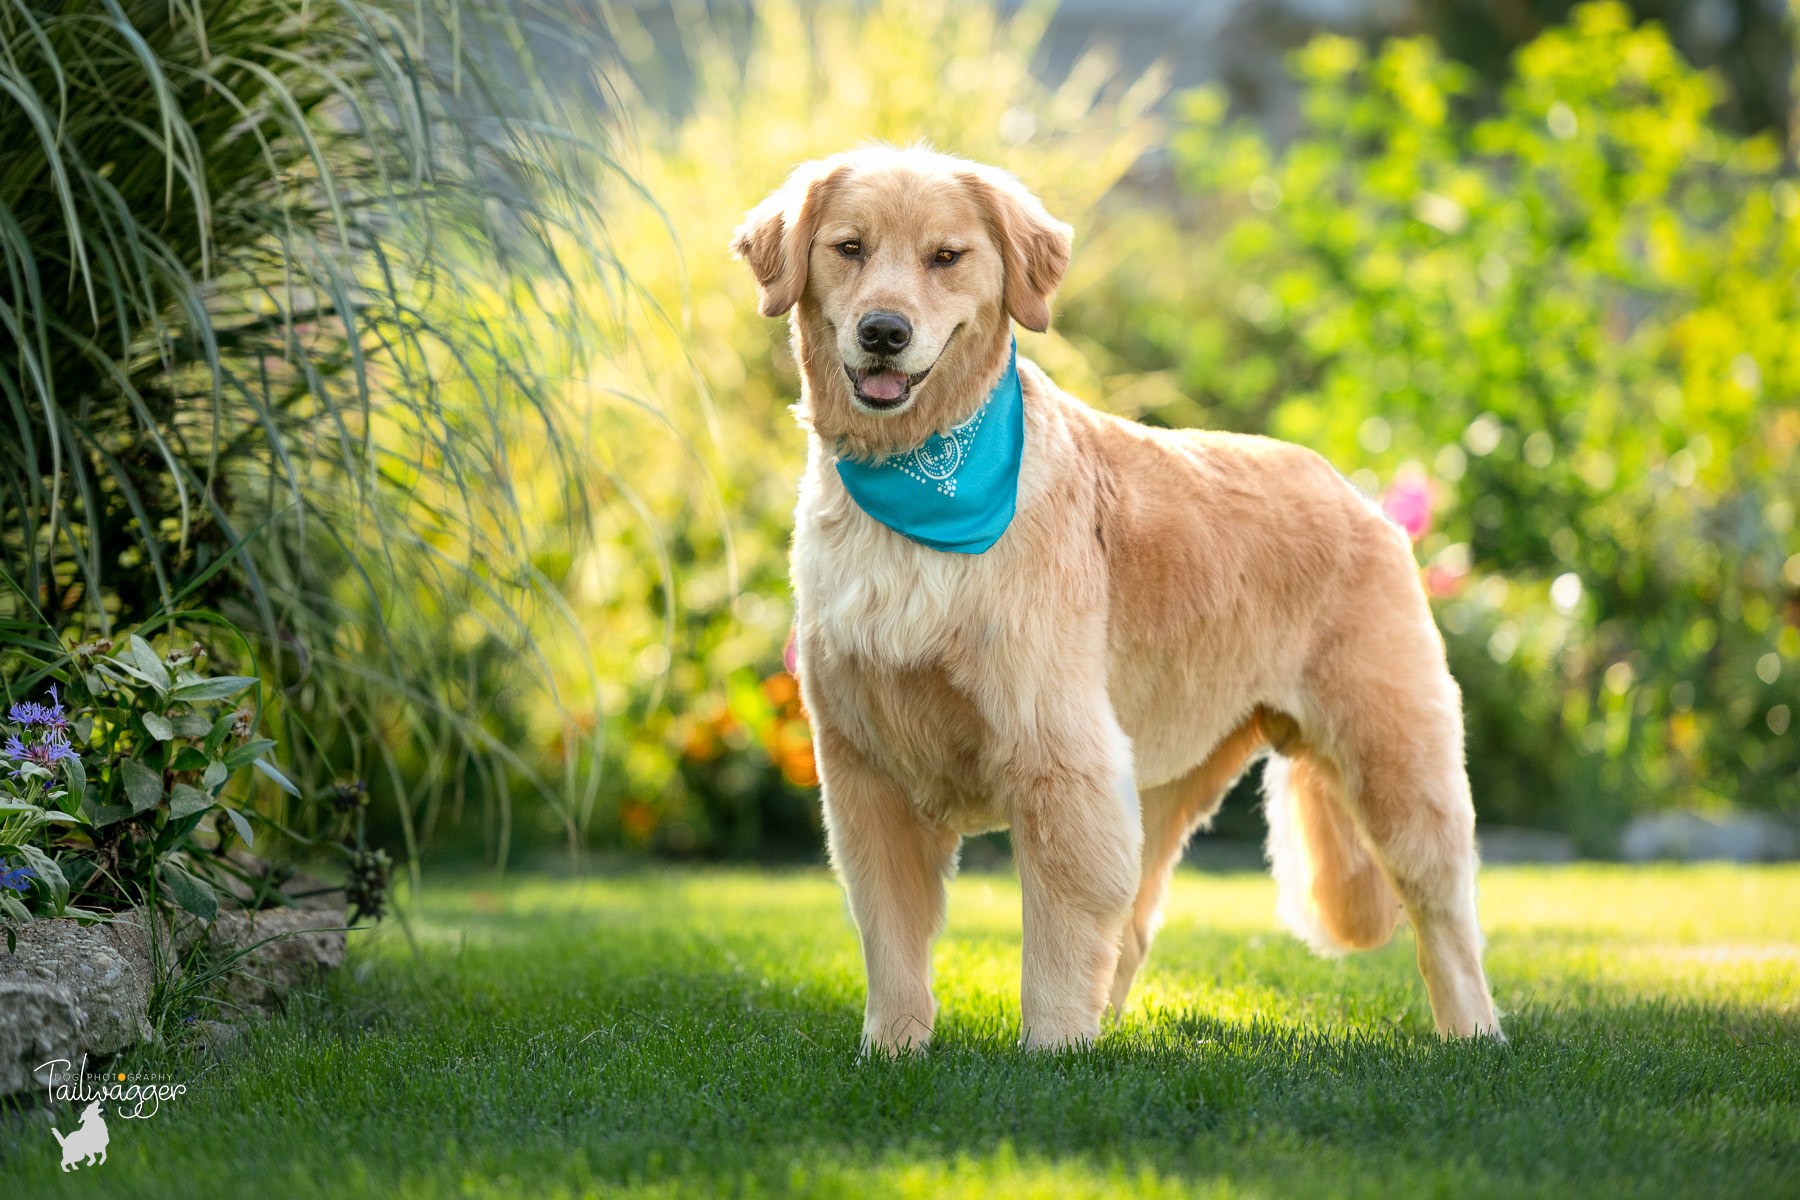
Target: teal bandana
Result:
[958, 491]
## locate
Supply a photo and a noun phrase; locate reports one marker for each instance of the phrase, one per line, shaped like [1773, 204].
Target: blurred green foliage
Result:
[1749, 42]
[1575, 320]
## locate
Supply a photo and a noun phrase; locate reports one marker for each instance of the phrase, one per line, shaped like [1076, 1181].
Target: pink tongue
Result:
[886, 386]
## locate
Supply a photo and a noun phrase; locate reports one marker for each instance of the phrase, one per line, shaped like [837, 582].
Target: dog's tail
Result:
[1329, 892]
[60, 1139]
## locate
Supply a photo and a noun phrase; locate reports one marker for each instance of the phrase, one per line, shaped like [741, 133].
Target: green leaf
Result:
[96, 814]
[273, 772]
[191, 893]
[221, 729]
[186, 800]
[216, 774]
[188, 758]
[240, 824]
[77, 778]
[48, 872]
[101, 815]
[222, 687]
[248, 753]
[159, 727]
[78, 871]
[193, 725]
[131, 670]
[149, 666]
[10, 905]
[143, 787]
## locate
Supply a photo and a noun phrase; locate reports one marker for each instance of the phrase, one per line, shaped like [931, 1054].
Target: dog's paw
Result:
[1054, 1039]
[891, 1039]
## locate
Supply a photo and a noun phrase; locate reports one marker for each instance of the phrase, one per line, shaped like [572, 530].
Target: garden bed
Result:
[72, 991]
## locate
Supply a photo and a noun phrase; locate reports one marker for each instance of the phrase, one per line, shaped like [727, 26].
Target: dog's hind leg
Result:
[1389, 756]
[893, 866]
[1412, 803]
[1171, 813]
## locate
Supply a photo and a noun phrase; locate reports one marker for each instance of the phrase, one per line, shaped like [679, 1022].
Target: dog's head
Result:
[903, 267]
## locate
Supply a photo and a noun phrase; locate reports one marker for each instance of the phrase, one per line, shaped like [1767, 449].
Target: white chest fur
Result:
[872, 595]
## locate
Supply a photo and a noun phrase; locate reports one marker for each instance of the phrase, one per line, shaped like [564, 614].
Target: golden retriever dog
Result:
[1162, 607]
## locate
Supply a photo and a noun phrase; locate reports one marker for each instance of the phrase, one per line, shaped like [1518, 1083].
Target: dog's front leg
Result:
[1077, 838]
[893, 866]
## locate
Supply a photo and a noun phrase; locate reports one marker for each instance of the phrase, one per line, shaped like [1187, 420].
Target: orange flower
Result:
[637, 819]
[781, 689]
[794, 753]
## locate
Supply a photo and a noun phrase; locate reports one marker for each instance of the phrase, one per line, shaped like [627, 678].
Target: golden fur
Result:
[1165, 606]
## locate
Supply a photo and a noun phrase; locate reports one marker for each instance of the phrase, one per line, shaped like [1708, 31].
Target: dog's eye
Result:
[944, 258]
[850, 249]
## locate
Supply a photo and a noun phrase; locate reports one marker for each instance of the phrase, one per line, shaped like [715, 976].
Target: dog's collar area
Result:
[958, 491]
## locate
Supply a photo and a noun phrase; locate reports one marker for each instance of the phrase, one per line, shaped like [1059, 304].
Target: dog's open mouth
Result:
[884, 389]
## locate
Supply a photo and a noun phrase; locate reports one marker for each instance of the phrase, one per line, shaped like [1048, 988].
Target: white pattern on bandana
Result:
[936, 464]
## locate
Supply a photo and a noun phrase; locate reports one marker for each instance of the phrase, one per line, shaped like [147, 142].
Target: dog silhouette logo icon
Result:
[86, 1145]
[96, 1095]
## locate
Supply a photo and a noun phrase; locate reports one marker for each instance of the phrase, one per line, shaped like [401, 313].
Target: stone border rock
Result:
[294, 946]
[71, 990]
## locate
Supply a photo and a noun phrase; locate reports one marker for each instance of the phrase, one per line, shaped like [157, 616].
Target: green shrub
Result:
[115, 785]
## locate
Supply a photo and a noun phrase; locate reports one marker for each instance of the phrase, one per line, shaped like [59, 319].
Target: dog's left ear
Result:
[776, 236]
[1034, 244]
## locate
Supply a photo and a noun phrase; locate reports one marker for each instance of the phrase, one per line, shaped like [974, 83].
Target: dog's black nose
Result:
[883, 332]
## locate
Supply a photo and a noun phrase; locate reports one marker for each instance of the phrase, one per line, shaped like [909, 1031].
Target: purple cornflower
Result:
[47, 747]
[45, 754]
[27, 714]
[51, 717]
[15, 879]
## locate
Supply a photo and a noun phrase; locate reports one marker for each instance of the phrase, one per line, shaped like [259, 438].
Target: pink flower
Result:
[790, 653]
[1442, 582]
[1408, 502]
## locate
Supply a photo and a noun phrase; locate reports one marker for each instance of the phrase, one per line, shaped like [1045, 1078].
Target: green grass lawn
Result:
[694, 1033]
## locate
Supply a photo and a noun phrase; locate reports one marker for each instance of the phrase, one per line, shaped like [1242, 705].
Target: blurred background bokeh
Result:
[1526, 272]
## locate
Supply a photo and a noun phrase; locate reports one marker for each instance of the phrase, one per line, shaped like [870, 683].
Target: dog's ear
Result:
[1034, 244]
[776, 236]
